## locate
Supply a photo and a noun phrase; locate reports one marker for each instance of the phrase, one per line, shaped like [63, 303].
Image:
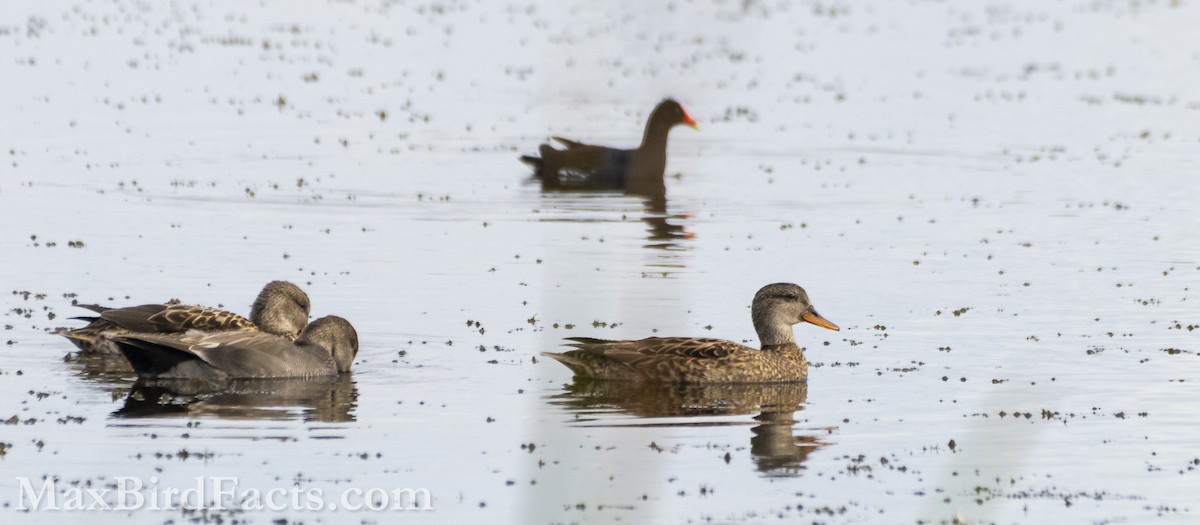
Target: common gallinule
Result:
[775, 309]
[326, 347]
[281, 308]
[585, 167]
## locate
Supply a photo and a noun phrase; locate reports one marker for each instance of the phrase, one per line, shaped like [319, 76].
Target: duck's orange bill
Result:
[813, 317]
[687, 119]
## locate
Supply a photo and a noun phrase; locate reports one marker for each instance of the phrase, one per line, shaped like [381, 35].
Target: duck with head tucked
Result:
[326, 347]
[775, 309]
[281, 308]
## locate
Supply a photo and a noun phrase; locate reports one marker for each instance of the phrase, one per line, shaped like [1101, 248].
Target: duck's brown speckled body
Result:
[683, 360]
[775, 309]
[281, 308]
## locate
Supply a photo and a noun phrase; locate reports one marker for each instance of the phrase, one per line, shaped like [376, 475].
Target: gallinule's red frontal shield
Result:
[582, 166]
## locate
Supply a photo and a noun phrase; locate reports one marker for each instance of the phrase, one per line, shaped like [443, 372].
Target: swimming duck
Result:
[775, 309]
[281, 308]
[326, 347]
[585, 167]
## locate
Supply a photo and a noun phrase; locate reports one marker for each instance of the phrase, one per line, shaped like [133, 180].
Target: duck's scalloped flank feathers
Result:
[705, 360]
[200, 318]
[176, 318]
[669, 359]
[282, 309]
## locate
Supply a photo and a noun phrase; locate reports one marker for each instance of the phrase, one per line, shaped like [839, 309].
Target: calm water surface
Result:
[994, 201]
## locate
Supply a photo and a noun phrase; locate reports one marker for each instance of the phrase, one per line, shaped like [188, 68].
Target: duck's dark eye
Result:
[789, 296]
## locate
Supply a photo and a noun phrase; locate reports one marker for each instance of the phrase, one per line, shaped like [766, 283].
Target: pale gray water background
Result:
[996, 201]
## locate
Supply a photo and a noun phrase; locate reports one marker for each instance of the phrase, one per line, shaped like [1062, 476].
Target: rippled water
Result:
[994, 202]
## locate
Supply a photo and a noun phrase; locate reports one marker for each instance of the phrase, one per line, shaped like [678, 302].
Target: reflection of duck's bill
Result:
[813, 317]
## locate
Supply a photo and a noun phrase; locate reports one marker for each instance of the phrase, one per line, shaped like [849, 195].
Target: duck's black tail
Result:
[149, 359]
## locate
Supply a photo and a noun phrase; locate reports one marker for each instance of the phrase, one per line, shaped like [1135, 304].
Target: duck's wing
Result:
[92, 338]
[95, 308]
[179, 318]
[660, 348]
[660, 358]
[234, 353]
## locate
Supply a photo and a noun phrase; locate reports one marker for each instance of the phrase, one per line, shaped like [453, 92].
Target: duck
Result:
[326, 347]
[580, 166]
[281, 308]
[776, 307]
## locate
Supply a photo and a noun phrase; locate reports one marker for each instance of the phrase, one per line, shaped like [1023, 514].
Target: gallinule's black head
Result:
[666, 115]
[673, 113]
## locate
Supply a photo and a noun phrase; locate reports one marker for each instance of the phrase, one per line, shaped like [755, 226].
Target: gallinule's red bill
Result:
[586, 167]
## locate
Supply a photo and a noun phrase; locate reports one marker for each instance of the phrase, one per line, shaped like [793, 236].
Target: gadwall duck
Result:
[281, 308]
[587, 167]
[775, 309]
[326, 347]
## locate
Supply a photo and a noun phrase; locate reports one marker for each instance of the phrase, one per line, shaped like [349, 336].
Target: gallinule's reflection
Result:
[774, 448]
[327, 399]
[662, 234]
[664, 231]
[579, 167]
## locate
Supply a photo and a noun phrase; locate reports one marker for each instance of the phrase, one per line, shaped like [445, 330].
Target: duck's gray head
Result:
[281, 309]
[336, 336]
[777, 307]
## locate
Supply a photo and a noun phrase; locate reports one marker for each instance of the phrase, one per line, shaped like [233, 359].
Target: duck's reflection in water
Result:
[774, 447]
[324, 399]
[101, 368]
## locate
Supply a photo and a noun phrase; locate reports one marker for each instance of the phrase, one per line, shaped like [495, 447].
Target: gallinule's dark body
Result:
[585, 167]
